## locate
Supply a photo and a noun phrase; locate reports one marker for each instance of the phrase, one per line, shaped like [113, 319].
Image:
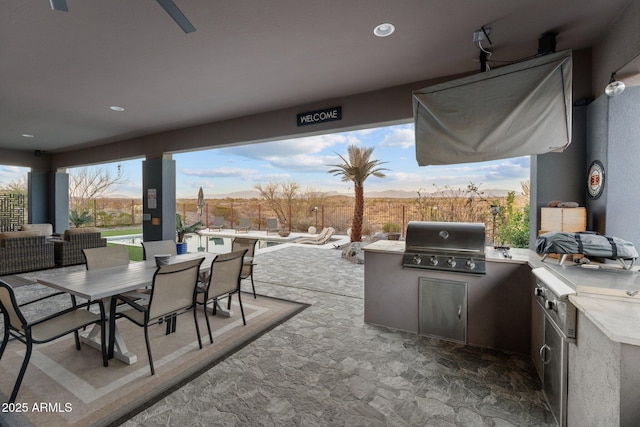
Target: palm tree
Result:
[357, 169]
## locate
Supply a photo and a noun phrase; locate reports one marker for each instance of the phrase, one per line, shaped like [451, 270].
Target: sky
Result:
[306, 161]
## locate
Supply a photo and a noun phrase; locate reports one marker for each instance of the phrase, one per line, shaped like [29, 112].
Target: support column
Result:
[48, 197]
[159, 199]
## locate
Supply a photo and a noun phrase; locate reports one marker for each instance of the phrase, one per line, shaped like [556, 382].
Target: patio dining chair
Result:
[240, 243]
[107, 256]
[224, 281]
[243, 225]
[173, 292]
[218, 223]
[159, 247]
[45, 329]
[111, 256]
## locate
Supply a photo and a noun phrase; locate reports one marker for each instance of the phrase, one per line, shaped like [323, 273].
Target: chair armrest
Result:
[127, 300]
[41, 298]
[69, 310]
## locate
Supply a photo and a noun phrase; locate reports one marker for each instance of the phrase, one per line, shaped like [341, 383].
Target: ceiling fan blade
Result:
[170, 7]
[60, 5]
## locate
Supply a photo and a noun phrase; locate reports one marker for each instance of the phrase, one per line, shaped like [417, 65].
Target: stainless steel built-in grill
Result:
[447, 246]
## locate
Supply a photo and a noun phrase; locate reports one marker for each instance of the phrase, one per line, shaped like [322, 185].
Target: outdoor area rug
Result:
[66, 387]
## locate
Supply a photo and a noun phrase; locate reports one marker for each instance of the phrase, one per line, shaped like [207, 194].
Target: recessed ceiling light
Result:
[28, 135]
[384, 30]
[116, 108]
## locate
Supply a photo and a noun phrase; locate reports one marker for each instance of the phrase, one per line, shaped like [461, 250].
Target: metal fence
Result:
[379, 215]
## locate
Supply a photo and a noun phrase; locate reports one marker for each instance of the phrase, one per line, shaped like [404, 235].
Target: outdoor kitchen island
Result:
[498, 305]
[603, 362]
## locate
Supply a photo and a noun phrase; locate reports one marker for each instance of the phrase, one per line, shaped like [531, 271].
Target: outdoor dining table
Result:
[102, 284]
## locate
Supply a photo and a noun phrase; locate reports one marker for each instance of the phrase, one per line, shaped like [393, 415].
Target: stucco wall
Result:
[622, 178]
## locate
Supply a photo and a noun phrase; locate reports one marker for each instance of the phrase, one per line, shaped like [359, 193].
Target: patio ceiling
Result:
[62, 71]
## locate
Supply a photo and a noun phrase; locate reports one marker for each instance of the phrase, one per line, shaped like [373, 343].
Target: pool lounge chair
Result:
[320, 239]
[218, 223]
[243, 225]
[272, 225]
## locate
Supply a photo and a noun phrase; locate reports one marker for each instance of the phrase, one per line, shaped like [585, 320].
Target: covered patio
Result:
[325, 366]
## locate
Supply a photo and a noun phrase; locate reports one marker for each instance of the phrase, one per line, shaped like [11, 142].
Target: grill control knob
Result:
[433, 261]
[551, 305]
[470, 264]
[451, 262]
[538, 291]
[417, 260]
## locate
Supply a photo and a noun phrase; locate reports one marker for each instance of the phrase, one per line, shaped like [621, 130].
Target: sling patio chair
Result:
[159, 247]
[272, 225]
[106, 256]
[243, 225]
[173, 292]
[45, 329]
[111, 256]
[240, 243]
[218, 223]
[224, 281]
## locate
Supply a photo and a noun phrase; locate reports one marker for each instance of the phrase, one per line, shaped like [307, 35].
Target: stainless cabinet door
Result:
[443, 308]
[554, 358]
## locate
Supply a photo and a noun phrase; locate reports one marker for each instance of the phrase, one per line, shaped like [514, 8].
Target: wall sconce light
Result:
[614, 87]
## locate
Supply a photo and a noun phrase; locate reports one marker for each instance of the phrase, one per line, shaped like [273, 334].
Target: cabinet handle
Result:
[459, 312]
[543, 354]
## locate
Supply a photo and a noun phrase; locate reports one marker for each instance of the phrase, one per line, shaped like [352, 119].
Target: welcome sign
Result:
[319, 116]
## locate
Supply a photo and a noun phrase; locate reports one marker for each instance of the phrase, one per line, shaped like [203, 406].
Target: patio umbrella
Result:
[200, 202]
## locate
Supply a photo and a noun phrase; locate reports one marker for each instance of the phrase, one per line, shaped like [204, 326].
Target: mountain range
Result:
[387, 194]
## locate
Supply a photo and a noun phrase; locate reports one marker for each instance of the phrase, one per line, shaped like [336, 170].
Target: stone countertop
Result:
[604, 293]
[600, 279]
[617, 319]
[518, 256]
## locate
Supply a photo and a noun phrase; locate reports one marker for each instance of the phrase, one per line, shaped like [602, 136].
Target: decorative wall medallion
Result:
[595, 179]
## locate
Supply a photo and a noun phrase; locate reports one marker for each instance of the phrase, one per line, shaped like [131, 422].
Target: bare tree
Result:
[86, 184]
[281, 197]
[526, 188]
[16, 186]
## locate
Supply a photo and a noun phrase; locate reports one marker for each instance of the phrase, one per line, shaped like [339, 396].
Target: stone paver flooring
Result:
[326, 367]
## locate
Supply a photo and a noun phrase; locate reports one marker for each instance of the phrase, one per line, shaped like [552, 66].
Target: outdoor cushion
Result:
[44, 229]
[72, 231]
[16, 234]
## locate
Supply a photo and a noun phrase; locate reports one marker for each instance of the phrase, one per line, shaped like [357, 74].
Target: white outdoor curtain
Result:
[511, 111]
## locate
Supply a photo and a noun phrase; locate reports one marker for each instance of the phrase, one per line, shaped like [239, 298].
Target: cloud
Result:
[400, 137]
[240, 174]
[220, 173]
[12, 173]
[273, 151]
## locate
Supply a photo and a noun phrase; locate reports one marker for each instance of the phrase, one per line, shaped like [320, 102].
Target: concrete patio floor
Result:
[326, 367]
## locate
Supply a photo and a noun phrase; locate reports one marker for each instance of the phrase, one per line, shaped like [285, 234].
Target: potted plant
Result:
[392, 229]
[182, 229]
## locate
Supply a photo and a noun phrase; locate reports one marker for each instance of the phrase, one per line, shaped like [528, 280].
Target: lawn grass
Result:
[135, 252]
[120, 232]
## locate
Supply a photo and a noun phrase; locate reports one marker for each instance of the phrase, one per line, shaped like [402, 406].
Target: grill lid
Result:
[455, 237]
